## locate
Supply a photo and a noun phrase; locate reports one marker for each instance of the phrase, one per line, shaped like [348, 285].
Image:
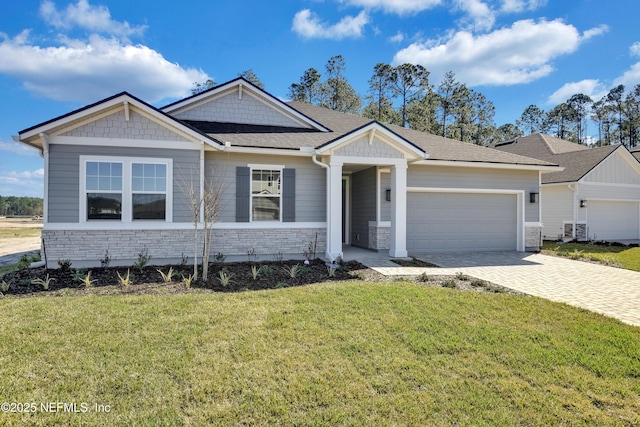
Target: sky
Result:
[57, 56]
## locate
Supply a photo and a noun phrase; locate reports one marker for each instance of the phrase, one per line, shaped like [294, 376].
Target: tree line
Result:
[404, 96]
[20, 206]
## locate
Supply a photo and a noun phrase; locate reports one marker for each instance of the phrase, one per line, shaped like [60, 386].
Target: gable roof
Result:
[577, 160]
[31, 135]
[636, 153]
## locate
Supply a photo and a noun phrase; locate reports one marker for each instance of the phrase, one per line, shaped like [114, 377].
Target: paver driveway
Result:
[611, 291]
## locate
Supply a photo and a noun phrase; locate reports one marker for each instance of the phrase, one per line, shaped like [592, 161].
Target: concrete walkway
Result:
[610, 291]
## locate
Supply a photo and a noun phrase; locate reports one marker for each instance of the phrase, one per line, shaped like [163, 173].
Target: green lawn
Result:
[619, 256]
[328, 354]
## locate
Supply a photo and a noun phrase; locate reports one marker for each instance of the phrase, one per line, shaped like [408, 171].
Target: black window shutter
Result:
[243, 193]
[288, 195]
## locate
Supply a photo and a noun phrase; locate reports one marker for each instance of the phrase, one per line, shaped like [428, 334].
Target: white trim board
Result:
[152, 225]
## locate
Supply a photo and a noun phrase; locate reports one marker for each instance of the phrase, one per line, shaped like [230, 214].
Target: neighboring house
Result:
[595, 197]
[292, 174]
[636, 152]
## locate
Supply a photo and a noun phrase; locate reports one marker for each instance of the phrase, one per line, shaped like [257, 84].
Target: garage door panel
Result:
[613, 220]
[453, 222]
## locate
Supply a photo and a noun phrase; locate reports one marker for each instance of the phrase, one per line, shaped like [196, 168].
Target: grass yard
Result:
[619, 256]
[346, 353]
[7, 233]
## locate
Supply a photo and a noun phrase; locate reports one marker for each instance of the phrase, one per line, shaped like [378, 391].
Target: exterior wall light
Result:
[388, 194]
[583, 203]
[533, 197]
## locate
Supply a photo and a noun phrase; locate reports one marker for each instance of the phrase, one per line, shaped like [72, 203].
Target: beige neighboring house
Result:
[292, 174]
[595, 197]
[636, 152]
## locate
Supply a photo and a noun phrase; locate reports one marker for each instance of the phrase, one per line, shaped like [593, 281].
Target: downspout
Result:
[328, 195]
[202, 163]
[45, 200]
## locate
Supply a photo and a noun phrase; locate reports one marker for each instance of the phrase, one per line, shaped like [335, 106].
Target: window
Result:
[149, 186]
[265, 194]
[104, 190]
[126, 190]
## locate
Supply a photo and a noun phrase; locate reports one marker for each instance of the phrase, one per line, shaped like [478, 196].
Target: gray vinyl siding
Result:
[556, 202]
[310, 191]
[478, 178]
[64, 176]
[363, 205]
[385, 206]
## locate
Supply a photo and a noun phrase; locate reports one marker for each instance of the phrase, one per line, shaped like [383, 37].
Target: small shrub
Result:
[24, 261]
[106, 259]
[87, 282]
[187, 281]
[575, 254]
[267, 271]
[225, 278]
[44, 283]
[292, 271]
[78, 275]
[449, 283]
[168, 276]
[64, 264]
[278, 257]
[4, 286]
[143, 260]
[281, 285]
[309, 251]
[462, 277]
[477, 283]
[331, 271]
[183, 260]
[126, 280]
[219, 257]
[424, 277]
[255, 271]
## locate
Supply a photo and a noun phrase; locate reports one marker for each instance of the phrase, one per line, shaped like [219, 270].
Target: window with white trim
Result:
[125, 189]
[266, 194]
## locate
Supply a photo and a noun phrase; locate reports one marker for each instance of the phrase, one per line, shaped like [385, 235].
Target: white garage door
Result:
[456, 222]
[613, 220]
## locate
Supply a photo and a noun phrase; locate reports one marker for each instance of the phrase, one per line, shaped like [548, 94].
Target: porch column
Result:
[334, 210]
[398, 211]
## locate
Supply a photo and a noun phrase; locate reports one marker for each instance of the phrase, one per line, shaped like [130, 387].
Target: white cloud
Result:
[92, 18]
[16, 148]
[26, 183]
[630, 78]
[516, 6]
[634, 50]
[479, 14]
[397, 38]
[590, 87]
[398, 7]
[308, 25]
[85, 71]
[518, 54]
[595, 31]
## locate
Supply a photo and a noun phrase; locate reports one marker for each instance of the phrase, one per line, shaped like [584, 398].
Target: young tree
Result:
[506, 132]
[309, 89]
[411, 82]
[201, 87]
[252, 77]
[462, 112]
[484, 114]
[445, 91]
[421, 113]
[579, 104]
[531, 119]
[632, 114]
[560, 117]
[338, 94]
[616, 103]
[381, 91]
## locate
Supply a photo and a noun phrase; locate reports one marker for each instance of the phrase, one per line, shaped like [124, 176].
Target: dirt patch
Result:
[20, 223]
[10, 244]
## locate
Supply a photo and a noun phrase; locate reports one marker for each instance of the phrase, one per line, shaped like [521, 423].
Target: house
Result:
[595, 197]
[291, 173]
[636, 152]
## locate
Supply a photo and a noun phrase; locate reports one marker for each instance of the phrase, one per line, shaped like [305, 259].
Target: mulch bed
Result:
[273, 275]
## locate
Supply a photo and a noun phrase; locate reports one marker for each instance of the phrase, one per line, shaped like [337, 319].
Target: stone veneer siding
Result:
[379, 236]
[85, 248]
[532, 238]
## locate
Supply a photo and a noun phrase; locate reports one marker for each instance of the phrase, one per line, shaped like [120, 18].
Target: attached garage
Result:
[457, 222]
[613, 220]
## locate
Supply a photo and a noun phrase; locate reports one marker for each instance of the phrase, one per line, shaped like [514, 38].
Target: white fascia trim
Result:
[383, 134]
[380, 224]
[265, 151]
[558, 184]
[121, 142]
[604, 199]
[463, 190]
[533, 224]
[487, 165]
[341, 160]
[608, 184]
[261, 166]
[152, 225]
